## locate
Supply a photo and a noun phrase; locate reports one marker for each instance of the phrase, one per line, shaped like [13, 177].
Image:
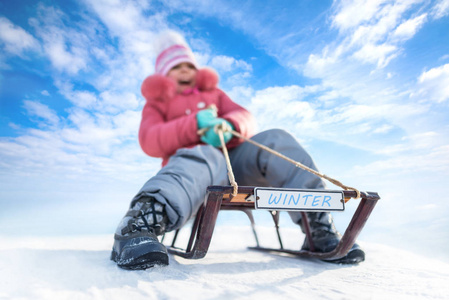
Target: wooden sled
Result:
[220, 198]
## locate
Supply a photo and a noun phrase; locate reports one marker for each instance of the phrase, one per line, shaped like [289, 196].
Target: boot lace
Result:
[146, 215]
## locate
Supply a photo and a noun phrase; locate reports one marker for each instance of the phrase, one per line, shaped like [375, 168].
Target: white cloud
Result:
[433, 161]
[83, 99]
[433, 85]
[42, 111]
[351, 14]
[238, 78]
[375, 37]
[376, 115]
[372, 31]
[16, 39]
[441, 9]
[383, 129]
[376, 127]
[132, 58]
[115, 102]
[408, 29]
[284, 107]
[127, 21]
[346, 79]
[228, 64]
[241, 94]
[62, 58]
[83, 146]
[121, 17]
[354, 104]
[98, 135]
[65, 47]
[318, 65]
[376, 54]
[109, 101]
[380, 15]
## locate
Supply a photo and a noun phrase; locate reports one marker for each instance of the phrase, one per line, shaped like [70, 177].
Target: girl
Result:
[179, 97]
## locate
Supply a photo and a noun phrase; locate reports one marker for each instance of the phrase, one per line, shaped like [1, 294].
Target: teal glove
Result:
[205, 117]
[211, 137]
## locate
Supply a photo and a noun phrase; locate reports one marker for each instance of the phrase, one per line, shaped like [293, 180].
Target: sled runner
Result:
[221, 198]
[274, 200]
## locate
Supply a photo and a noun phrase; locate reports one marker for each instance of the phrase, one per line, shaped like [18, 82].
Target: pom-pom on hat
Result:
[172, 49]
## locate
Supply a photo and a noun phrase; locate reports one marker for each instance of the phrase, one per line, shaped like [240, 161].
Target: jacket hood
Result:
[161, 88]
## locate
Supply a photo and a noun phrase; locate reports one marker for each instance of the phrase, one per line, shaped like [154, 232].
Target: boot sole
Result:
[141, 256]
[147, 261]
[354, 256]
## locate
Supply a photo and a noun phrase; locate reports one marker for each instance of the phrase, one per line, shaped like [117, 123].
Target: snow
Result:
[78, 267]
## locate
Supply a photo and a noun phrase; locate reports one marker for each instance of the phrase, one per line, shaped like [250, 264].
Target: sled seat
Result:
[221, 198]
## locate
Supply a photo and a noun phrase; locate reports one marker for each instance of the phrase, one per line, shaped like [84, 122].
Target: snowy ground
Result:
[78, 267]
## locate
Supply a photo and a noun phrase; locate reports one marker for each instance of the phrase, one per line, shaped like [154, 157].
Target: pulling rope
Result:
[219, 129]
[228, 162]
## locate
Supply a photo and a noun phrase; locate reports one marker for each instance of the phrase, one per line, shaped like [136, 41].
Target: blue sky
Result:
[363, 85]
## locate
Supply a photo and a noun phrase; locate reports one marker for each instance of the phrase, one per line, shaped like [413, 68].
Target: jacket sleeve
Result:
[161, 138]
[242, 119]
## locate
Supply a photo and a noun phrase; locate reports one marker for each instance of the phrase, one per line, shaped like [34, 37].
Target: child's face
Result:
[184, 75]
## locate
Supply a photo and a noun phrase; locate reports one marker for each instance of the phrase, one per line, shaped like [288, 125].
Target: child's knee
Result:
[275, 136]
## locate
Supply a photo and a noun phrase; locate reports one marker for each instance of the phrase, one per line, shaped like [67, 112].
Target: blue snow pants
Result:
[181, 184]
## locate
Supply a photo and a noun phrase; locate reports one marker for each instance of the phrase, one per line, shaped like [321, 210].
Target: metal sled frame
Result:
[220, 198]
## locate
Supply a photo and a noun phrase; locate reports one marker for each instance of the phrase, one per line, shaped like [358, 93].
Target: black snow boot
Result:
[325, 238]
[136, 246]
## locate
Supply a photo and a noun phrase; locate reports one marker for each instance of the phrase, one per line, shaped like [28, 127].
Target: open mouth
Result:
[184, 82]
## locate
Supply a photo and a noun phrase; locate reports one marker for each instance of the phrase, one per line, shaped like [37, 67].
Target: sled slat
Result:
[220, 198]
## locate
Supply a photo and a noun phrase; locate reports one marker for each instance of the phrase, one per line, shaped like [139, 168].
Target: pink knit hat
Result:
[173, 50]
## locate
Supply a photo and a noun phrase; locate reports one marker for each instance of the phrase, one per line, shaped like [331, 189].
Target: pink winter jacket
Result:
[169, 119]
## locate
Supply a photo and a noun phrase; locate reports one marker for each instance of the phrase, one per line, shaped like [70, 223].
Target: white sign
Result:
[294, 199]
